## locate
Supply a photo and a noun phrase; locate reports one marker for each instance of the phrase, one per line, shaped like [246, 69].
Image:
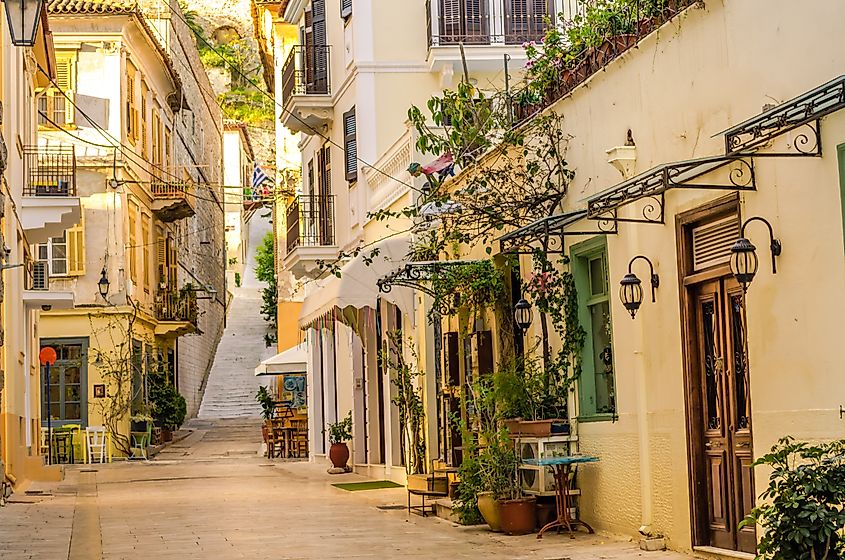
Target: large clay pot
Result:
[339, 455]
[489, 508]
[518, 517]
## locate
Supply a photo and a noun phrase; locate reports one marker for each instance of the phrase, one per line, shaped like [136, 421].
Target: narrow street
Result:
[212, 496]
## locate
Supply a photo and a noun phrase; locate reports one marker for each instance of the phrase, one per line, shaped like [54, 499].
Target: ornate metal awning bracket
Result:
[419, 276]
[803, 114]
[550, 233]
[650, 188]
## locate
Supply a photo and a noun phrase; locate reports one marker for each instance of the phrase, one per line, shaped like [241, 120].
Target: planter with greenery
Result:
[339, 433]
[168, 406]
[268, 405]
[802, 515]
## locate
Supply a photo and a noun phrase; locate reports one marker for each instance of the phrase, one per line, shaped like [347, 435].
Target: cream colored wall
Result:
[711, 68]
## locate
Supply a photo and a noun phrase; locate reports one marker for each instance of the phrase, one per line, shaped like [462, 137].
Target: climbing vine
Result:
[472, 286]
[408, 399]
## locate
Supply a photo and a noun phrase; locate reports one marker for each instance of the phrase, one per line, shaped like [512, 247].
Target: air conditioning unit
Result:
[40, 275]
[536, 479]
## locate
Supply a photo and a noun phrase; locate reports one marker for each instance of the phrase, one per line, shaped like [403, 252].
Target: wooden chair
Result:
[276, 442]
[95, 444]
[299, 438]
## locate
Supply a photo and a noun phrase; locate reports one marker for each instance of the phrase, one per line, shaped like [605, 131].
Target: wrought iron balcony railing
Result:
[49, 171]
[306, 71]
[479, 22]
[177, 306]
[310, 222]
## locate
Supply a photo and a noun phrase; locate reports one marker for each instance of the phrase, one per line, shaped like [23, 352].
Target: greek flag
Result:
[261, 183]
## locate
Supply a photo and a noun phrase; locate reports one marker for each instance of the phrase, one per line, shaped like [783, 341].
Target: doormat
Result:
[372, 485]
[390, 508]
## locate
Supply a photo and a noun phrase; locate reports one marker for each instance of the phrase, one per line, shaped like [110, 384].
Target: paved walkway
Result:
[212, 497]
[231, 387]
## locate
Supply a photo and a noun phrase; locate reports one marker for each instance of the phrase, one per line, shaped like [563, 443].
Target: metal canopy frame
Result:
[418, 276]
[652, 185]
[551, 231]
[803, 112]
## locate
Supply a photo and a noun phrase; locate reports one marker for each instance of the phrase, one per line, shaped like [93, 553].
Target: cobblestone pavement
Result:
[211, 496]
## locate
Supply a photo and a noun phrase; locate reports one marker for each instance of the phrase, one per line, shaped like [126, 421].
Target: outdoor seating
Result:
[299, 438]
[139, 442]
[95, 444]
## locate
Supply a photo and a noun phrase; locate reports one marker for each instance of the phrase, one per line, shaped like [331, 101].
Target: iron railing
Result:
[310, 222]
[306, 71]
[508, 22]
[49, 170]
[170, 189]
[179, 306]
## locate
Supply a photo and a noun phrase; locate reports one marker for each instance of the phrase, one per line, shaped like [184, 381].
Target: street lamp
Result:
[103, 284]
[23, 17]
[744, 262]
[631, 290]
[522, 315]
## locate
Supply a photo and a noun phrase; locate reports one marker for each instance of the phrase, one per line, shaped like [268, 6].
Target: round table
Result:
[562, 467]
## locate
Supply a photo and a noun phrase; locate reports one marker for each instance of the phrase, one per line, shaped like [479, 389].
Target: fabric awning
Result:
[291, 360]
[357, 286]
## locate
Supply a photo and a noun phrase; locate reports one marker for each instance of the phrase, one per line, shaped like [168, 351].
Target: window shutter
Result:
[350, 145]
[161, 259]
[345, 8]
[131, 115]
[452, 360]
[484, 352]
[76, 249]
[318, 21]
[171, 263]
[66, 81]
[450, 18]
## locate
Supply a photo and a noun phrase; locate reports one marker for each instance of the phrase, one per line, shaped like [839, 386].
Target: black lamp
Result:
[631, 288]
[744, 261]
[23, 17]
[522, 315]
[103, 284]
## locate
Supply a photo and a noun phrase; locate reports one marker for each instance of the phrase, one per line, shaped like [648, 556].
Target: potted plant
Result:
[140, 422]
[500, 476]
[265, 399]
[168, 406]
[339, 433]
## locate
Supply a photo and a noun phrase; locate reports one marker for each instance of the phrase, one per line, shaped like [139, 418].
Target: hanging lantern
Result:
[631, 293]
[103, 284]
[23, 17]
[522, 315]
[744, 261]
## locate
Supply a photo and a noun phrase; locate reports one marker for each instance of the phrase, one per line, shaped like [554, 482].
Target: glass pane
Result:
[72, 393]
[72, 375]
[708, 317]
[42, 252]
[740, 362]
[54, 411]
[54, 393]
[72, 411]
[602, 357]
[74, 351]
[597, 277]
[59, 252]
[59, 266]
[55, 375]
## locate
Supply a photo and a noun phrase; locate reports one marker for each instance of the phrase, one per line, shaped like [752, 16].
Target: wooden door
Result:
[724, 444]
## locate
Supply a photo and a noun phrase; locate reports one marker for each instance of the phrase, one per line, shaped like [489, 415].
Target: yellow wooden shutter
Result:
[171, 261]
[131, 111]
[76, 249]
[66, 81]
[144, 142]
[133, 242]
[147, 274]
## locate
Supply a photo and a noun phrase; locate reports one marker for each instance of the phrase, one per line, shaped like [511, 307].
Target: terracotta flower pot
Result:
[622, 43]
[535, 428]
[339, 455]
[264, 432]
[518, 517]
[489, 508]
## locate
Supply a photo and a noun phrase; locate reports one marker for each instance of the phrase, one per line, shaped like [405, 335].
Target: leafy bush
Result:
[265, 399]
[803, 516]
[341, 431]
[168, 406]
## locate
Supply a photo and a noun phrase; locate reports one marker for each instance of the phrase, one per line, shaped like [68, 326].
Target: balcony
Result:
[306, 88]
[50, 204]
[176, 312]
[172, 200]
[488, 30]
[310, 234]
[37, 293]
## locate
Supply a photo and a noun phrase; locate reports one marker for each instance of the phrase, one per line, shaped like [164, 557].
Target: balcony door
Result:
[464, 21]
[525, 20]
[316, 60]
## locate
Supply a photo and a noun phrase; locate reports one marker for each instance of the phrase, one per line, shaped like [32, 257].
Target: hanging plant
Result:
[472, 286]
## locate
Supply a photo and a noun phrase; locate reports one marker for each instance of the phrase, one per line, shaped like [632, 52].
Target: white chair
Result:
[45, 447]
[95, 444]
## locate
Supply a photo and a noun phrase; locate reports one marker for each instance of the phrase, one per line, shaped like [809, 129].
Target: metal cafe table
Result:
[562, 467]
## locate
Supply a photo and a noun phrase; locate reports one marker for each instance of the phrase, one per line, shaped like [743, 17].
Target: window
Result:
[597, 385]
[144, 140]
[145, 251]
[64, 255]
[350, 145]
[167, 141]
[68, 383]
[56, 104]
[131, 104]
[133, 242]
[156, 136]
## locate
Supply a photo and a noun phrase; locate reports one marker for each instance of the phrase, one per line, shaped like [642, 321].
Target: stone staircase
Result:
[230, 391]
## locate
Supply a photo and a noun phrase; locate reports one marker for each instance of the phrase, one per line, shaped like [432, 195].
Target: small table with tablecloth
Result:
[562, 467]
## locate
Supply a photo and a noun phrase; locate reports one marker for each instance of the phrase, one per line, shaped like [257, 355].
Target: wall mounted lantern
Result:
[522, 315]
[631, 289]
[23, 17]
[744, 262]
[103, 284]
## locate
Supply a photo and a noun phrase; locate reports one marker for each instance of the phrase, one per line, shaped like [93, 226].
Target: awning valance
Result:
[357, 286]
[292, 360]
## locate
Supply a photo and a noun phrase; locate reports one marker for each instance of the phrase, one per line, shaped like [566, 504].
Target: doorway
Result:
[718, 401]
